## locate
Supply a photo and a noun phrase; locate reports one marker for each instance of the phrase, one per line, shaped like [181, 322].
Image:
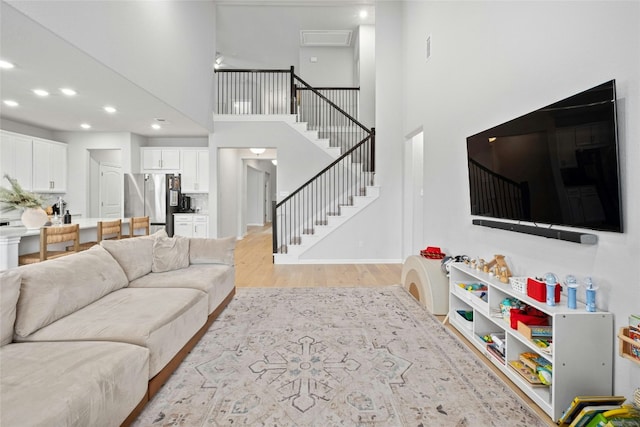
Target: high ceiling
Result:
[249, 34]
[267, 34]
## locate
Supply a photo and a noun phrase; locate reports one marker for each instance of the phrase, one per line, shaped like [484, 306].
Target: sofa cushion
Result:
[216, 280]
[71, 383]
[212, 251]
[55, 288]
[163, 320]
[170, 253]
[9, 292]
[134, 255]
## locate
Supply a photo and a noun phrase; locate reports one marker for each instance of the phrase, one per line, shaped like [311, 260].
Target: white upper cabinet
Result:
[160, 159]
[195, 171]
[49, 166]
[15, 159]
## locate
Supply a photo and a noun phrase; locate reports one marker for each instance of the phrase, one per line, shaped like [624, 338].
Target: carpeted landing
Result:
[332, 357]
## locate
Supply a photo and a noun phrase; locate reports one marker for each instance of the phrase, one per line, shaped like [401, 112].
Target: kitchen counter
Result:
[18, 240]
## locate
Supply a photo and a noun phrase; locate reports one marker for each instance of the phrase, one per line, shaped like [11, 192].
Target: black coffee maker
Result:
[185, 203]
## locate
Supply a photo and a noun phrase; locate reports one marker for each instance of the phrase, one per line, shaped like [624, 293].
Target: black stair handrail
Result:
[294, 221]
[331, 103]
[335, 162]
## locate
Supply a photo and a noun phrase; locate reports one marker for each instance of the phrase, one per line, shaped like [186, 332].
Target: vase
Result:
[34, 217]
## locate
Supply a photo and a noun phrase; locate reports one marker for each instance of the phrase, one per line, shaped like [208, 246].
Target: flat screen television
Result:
[557, 165]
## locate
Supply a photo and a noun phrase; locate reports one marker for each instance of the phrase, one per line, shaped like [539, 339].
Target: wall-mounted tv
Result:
[557, 165]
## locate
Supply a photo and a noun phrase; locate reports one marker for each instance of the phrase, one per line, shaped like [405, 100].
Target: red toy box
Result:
[537, 290]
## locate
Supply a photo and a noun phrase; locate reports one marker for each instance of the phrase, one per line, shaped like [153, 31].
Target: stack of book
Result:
[599, 411]
[496, 347]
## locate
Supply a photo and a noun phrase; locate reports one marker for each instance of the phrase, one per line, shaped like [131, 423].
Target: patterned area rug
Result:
[332, 357]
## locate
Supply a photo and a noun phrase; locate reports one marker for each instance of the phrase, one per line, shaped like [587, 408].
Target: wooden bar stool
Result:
[139, 223]
[52, 235]
[106, 230]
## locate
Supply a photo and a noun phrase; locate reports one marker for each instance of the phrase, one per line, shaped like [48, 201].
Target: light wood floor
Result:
[255, 268]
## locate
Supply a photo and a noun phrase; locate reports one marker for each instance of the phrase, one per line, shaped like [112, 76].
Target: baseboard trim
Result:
[350, 261]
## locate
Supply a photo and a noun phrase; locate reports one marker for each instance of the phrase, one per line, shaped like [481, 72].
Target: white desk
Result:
[18, 240]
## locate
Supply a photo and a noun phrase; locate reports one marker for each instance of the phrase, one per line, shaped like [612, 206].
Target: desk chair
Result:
[139, 223]
[52, 235]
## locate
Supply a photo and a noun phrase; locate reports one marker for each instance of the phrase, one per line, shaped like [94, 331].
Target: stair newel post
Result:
[293, 91]
[274, 226]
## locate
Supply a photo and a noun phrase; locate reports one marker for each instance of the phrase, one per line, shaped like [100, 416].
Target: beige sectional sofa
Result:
[88, 338]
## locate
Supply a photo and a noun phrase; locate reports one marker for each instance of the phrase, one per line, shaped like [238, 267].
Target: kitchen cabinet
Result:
[195, 171]
[201, 226]
[191, 225]
[15, 159]
[160, 159]
[49, 166]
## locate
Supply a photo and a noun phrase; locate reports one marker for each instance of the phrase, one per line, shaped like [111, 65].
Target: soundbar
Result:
[569, 236]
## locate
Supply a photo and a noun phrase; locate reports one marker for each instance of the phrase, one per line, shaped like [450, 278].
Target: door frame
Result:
[413, 193]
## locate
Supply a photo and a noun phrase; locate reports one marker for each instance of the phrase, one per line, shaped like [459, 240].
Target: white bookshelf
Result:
[582, 356]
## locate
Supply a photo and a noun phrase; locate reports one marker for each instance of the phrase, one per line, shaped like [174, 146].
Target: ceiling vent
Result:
[335, 38]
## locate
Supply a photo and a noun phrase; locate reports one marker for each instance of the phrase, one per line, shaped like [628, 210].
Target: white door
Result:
[110, 198]
[413, 215]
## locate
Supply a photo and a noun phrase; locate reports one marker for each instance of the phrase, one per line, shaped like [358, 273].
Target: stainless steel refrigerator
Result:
[154, 195]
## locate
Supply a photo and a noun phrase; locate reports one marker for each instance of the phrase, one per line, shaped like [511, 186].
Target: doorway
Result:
[106, 183]
[413, 192]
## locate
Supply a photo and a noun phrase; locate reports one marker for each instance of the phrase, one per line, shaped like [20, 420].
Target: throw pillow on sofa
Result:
[135, 255]
[10, 291]
[170, 253]
[212, 251]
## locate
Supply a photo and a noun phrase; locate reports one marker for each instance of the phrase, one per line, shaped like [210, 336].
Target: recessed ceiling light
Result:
[10, 103]
[156, 126]
[109, 109]
[85, 126]
[68, 91]
[41, 92]
[257, 151]
[6, 65]
[363, 14]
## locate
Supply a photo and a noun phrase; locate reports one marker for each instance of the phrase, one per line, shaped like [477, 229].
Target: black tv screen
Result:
[557, 165]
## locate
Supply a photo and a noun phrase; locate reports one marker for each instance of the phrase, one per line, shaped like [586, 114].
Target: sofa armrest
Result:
[212, 251]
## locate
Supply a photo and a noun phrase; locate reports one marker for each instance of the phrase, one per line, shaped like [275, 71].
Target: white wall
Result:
[79, 145]
[25, 129]
[165, 47]
[375, 234]
[366, 74]
[291, 146]
[333, 66]
[491, 62]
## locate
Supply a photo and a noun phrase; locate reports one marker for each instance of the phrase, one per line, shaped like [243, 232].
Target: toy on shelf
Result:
[541, 366]
[499, 268]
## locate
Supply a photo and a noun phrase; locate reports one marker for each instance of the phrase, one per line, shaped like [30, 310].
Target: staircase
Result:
[333, 196]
